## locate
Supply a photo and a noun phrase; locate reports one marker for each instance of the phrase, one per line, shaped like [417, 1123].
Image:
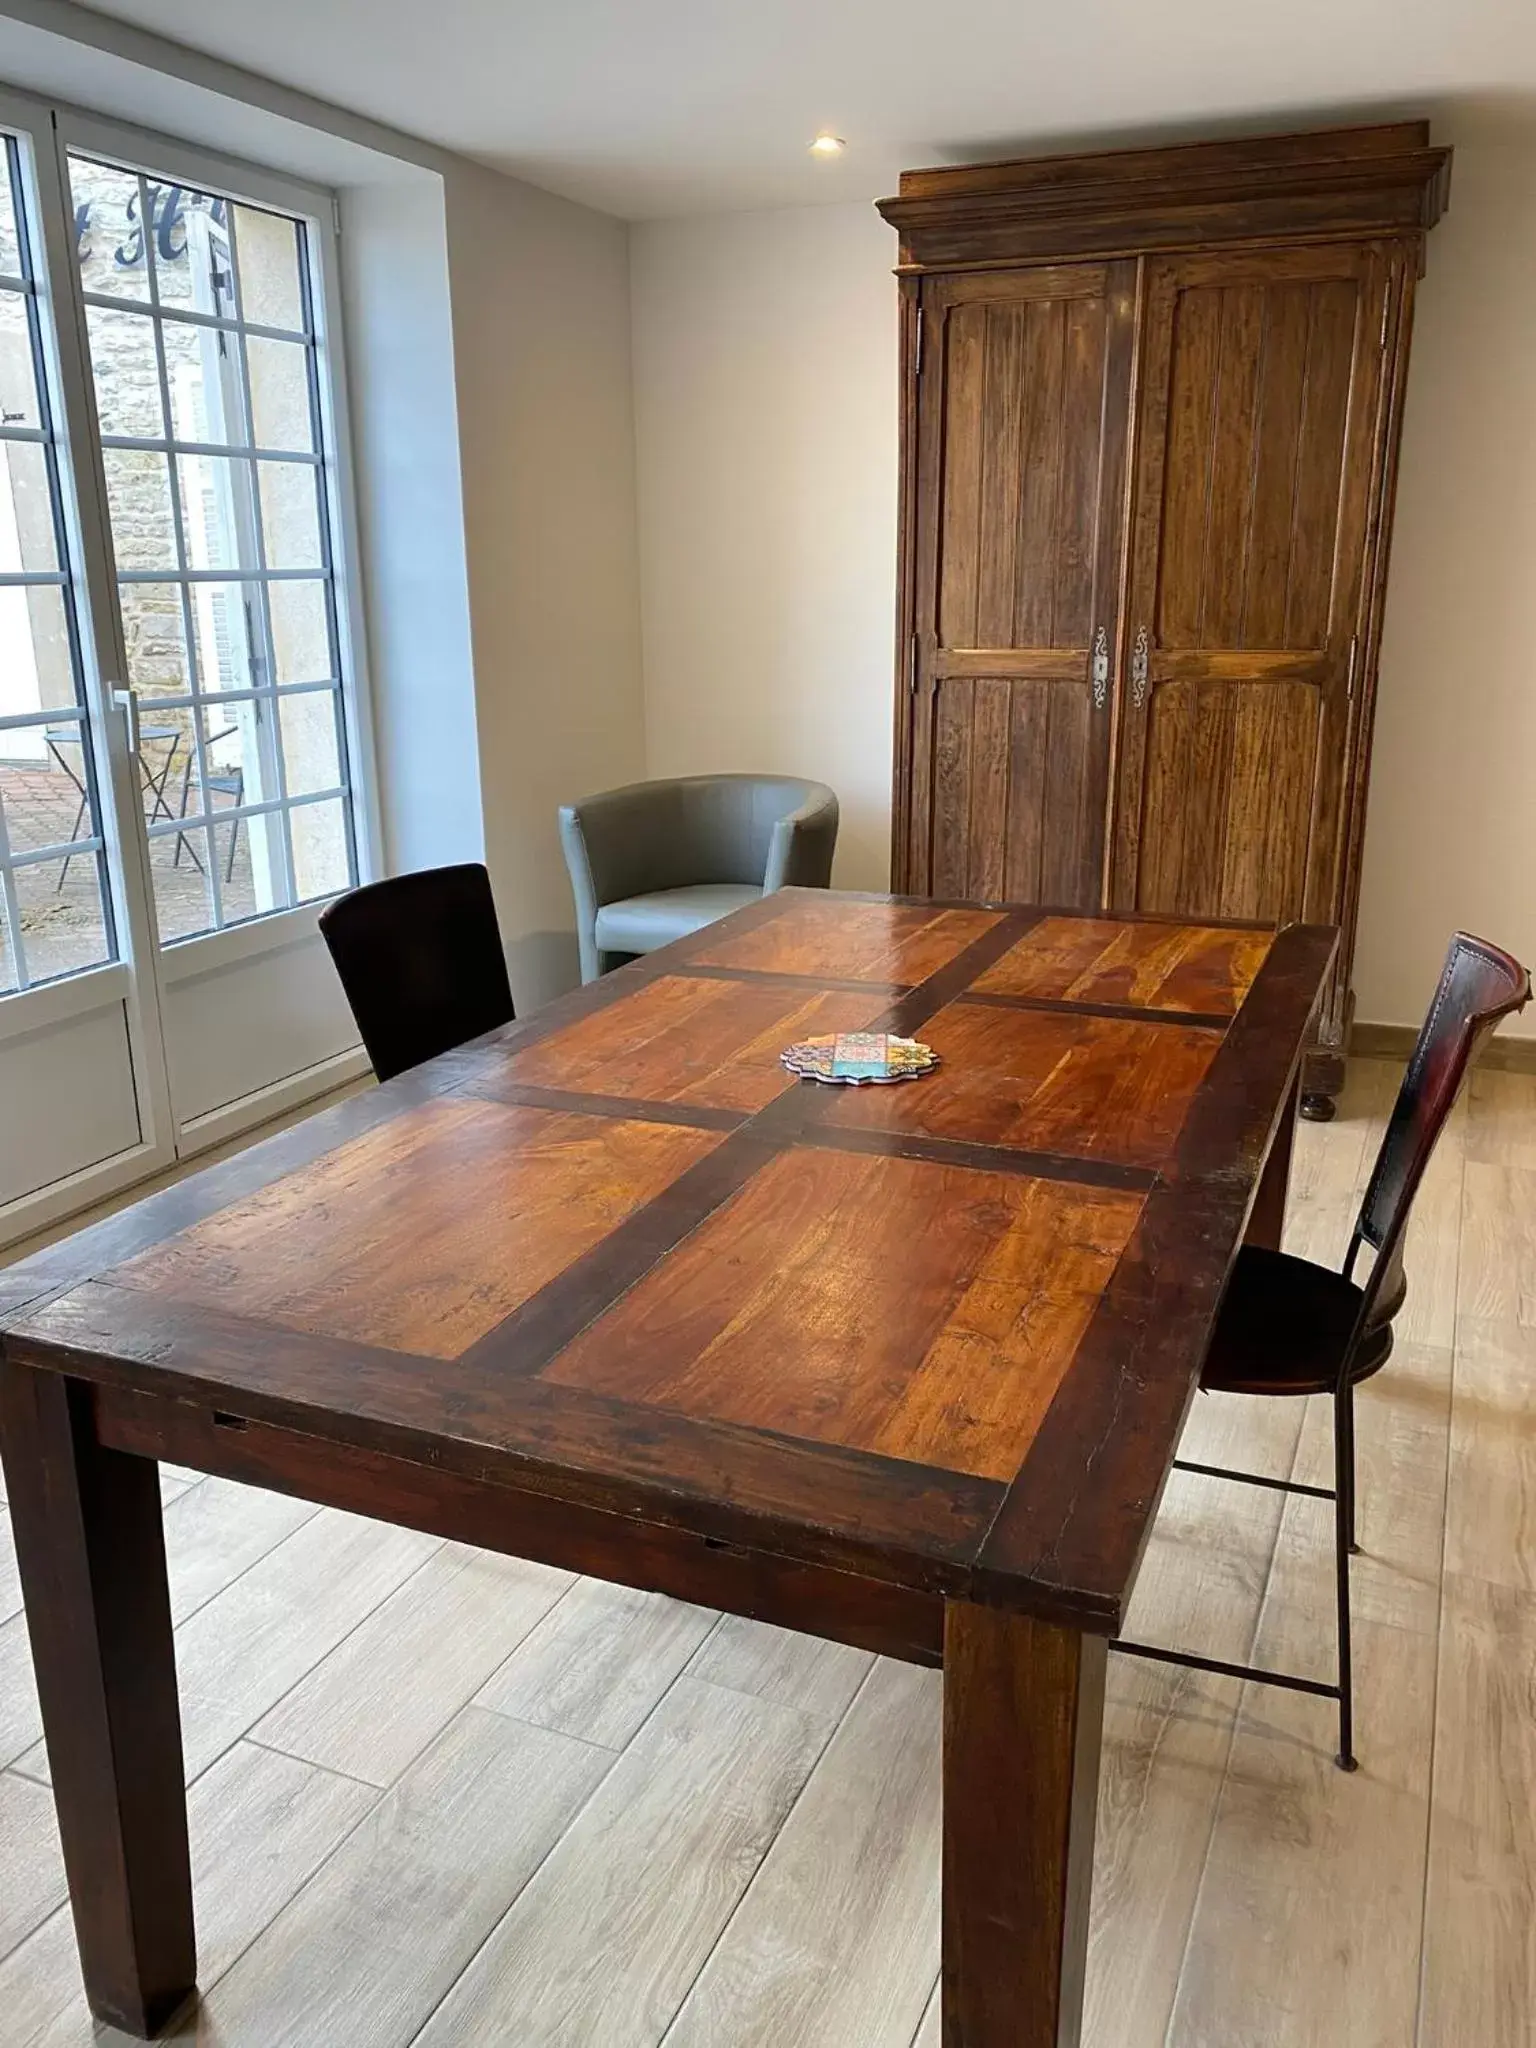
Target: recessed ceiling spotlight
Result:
[828, 145]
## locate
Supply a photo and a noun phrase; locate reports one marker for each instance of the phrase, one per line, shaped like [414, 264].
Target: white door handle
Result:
[127, 702]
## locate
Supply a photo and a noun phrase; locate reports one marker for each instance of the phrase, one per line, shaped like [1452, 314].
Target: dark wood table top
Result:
[941, 1335]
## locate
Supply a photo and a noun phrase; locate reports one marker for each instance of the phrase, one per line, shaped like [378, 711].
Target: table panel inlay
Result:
[1144, 962]
[850, 938]
[424, 1234]
[922, 1311]
[712, 1043]
[1046, 1081]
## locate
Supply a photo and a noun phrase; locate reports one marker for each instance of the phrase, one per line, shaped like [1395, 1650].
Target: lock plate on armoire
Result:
[1140, 661]
[1099, 669]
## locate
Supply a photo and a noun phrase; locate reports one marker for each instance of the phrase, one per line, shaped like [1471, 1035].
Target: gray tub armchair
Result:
[655, 861]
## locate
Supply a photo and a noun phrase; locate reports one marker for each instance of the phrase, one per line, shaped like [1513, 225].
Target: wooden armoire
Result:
[1152, 402]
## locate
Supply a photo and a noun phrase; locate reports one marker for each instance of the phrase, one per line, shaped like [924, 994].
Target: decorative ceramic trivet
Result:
[854, 1058]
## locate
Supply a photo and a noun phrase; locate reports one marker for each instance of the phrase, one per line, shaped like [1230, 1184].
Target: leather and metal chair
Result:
[421, 962]
[655, 861]
[1290, 1327]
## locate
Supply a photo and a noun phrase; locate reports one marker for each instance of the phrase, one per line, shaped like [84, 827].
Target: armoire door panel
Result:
[1022, 422]
[1255, 438]
[1024, 383]
[1012, 772]
[1254, 746]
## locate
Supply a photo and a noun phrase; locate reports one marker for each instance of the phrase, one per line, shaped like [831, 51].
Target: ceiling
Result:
[656, 107]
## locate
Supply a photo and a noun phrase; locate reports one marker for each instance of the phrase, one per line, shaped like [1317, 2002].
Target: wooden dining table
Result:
[900, 1366]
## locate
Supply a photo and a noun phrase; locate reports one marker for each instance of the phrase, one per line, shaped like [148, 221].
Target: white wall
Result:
[765, 418]
[765, 362]
[540, 291]
[405, 445]
[1451, 837]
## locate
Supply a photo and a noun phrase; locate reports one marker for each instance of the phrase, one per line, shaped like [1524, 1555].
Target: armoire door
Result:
[1257, 437]
[1022, 412]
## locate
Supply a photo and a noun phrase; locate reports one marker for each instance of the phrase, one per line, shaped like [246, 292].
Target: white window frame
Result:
[164, 159]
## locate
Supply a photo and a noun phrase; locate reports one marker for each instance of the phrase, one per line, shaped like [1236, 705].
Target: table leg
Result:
[1023, 1726]
[1266, 1221]
[91, 1552]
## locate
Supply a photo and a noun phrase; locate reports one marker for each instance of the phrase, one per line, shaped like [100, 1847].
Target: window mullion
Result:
[328, 511]
[179, 537]
[148, 444]
[268, 809]
[96, 809]
[188, 316]
[268, 715]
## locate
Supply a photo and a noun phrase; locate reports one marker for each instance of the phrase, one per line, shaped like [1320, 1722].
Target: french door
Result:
[181, 752]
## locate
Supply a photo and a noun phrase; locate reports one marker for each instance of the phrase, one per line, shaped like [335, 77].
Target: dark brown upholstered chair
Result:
[1288, 1326]
[421, 962]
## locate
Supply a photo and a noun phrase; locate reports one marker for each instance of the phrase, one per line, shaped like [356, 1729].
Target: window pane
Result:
[242, 769]
[269, 258]
[311, 742]
[165, 764]
[280, 415]
[202, 368]
[37, 671]
[240, 849]
[62, 927]
[301, 632]
[126, 373]
[109, 245]
[178, 870]
[18, 381]
[42, 788]
[223, 635]
[155, 634]
[10, 242]
[27, 542]
[290, 515]
[217, 514]
[191, 249]
[321, 862]
[237, 753]
[7, 961]
[139, 506]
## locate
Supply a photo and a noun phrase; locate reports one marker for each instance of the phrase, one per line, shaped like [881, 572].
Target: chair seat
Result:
[642, 924]
[1284, 1328]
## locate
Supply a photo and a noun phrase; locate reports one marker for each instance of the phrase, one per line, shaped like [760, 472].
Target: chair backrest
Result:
[421, 962]
[1479, 984]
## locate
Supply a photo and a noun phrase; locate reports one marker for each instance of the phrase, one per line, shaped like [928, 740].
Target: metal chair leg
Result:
[74, 833]
[1343, 1545]
[1349, 1431]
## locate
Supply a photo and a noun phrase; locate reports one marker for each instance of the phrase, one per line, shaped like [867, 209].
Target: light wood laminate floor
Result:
[443, 1798]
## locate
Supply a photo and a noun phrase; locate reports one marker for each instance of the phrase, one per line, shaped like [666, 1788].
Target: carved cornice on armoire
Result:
[1344, 183]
